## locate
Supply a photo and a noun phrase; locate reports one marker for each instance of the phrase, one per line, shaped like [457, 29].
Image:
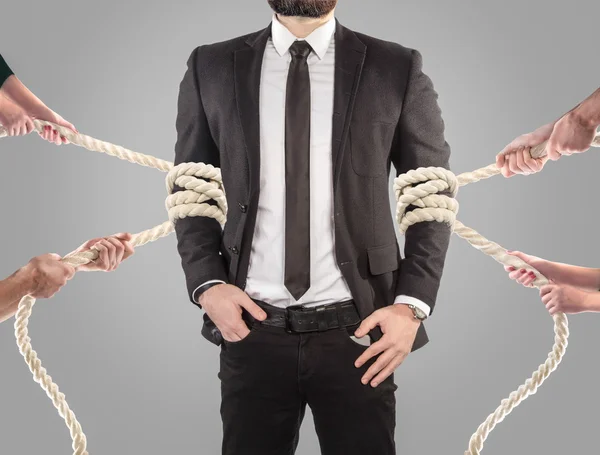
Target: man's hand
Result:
[571, 134]
[111, 252]
[13, 118]
[399, 327]
[224, 303]
[46, 275]
[564, 298]
[526, 278]
[515, 158]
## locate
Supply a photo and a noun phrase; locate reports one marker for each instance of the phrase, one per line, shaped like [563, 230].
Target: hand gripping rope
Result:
[202, 182]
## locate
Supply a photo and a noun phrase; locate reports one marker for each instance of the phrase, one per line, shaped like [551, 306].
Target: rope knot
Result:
[420, 188]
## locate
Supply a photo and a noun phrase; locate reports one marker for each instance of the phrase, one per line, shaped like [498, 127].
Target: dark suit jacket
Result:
[385, 111]
[5, 71]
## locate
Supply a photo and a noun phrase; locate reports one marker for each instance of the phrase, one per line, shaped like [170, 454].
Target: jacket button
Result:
[234, 250]
[243, 207]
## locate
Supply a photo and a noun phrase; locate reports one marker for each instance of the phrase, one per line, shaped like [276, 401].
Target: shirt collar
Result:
[319, 39]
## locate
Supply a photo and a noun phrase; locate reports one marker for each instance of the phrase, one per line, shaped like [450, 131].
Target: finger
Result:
[528, 280]
[89, 244]
[523, 278]
[69, 271]
[119, 250]
[373, 350]
[516, 274]
[128, 250]
[230, 336]
[388, 370]
[241, 330]
[546, 299]
[546, 289]
[252, 308]
[512, 164]
[123, 236]
[521, 161]
[368, 324]
[103, 259]
[382, 361]
[500, 159]
[556, 308]
[526, 159]
[509, 268]
[30, 126]
[56, 137]
[112, 254]
[551, 150]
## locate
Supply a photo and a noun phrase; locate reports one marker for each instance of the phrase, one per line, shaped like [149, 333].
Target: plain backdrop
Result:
[125, 347]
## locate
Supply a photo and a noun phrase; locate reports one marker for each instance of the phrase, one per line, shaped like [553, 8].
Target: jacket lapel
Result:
[349, 59]
[247, 73]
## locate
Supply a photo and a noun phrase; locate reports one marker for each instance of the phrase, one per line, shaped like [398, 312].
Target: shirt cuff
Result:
[408, 300]
[204, 284]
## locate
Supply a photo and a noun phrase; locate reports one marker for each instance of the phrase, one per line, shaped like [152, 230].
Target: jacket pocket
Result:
[383, 259]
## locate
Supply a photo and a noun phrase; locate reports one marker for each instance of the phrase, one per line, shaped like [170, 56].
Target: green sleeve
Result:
[5, 71]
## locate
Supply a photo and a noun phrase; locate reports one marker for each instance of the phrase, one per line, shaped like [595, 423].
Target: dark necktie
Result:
[297, 172]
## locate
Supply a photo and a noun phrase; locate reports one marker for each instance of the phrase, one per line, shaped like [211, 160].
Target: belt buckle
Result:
[286, 320]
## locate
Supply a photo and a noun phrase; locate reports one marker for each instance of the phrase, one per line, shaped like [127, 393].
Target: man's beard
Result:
[303, 8]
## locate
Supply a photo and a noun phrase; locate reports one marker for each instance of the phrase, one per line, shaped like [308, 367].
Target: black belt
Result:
[301, 319]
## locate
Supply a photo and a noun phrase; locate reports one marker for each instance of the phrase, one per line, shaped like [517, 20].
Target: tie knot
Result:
[300, 49]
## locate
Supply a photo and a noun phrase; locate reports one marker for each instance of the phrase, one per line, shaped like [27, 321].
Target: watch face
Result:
[418, 313]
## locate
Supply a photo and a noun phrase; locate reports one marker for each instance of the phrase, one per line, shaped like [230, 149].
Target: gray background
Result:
[125, 347]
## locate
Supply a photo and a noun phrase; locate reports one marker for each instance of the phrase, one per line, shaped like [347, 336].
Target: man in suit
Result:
[305, 288]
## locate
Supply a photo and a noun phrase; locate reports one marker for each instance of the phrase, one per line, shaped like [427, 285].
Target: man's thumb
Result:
[253, 309]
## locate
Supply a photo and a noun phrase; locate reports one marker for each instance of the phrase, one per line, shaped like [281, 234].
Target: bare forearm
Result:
[14, 89]
[12, 290]
[588, 112]
[572, 275]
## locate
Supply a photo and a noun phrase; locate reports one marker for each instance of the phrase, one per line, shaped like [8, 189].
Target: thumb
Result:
[368, 324]
[252, 308]
[125, 236]
[522, 256]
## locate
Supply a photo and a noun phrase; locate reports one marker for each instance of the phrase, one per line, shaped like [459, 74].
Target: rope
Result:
[202, 182]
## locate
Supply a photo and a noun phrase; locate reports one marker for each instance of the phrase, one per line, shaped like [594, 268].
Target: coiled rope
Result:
[203, 182]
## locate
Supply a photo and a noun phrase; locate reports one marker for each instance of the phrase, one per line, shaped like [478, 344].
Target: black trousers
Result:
[269, 377]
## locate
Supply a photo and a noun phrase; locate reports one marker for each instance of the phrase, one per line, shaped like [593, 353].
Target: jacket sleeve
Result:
[5, 71]
[198, 238]
[420, 142]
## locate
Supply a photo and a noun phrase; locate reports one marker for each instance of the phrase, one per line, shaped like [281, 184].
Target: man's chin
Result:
[310, 9]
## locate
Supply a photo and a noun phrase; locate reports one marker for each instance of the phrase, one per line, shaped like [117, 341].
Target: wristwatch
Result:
[419, 314]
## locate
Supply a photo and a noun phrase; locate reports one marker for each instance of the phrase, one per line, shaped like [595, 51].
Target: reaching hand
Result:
[223, 304]
[516, 158]
[13, 118]
[111, 252]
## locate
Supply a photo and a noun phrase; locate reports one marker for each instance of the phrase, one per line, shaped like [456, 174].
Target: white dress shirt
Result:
[265, 280]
